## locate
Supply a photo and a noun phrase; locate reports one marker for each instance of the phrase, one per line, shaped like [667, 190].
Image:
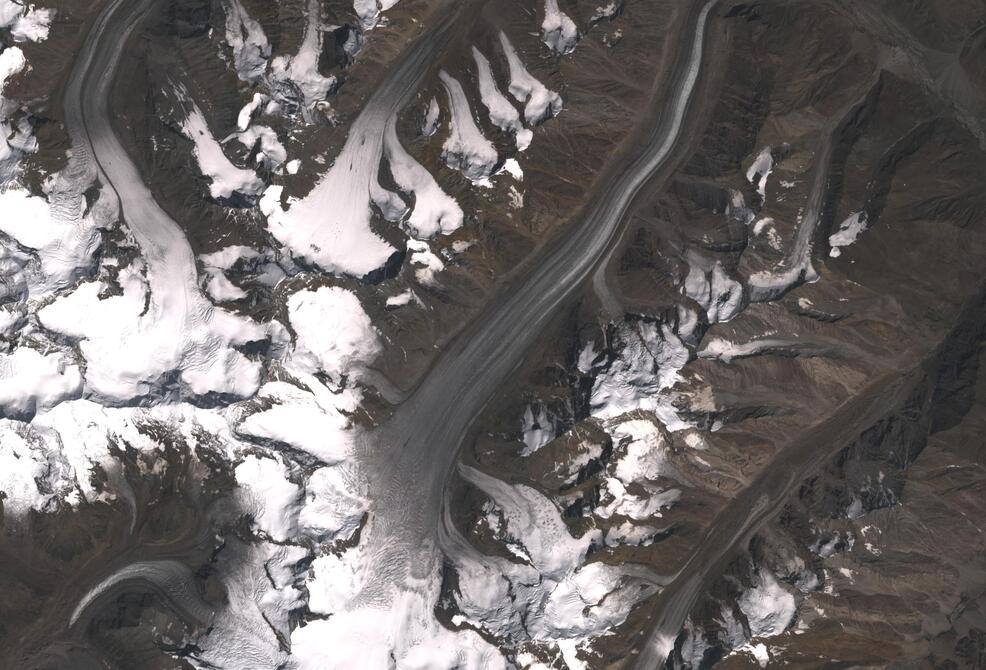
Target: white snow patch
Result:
[465, 149]
[60, 231]
[26, 468]
[272, 499]
[25, 22]
[630, 534]
[427, 265]
[617, 500]
[537, 429]
[400, 299]
[330, 227]
[12, 62]
[603, 12]
[301, 70]
[31, 381]
[646, 368]
[719, 295]
[429, 125]
[226, 178]
[133, 341]
[248, 110]
[400, 632]
[272, 153]
[760, 169]
[726, 351]
[318, 425]
[334, 334]
[434, 210]
[335, 503]
[645, 455]
[226, 258]
[768, 606]
[221, 289]
[541, 103]
[552, 595]
[558, 31]
[849, 231]
[502, 113]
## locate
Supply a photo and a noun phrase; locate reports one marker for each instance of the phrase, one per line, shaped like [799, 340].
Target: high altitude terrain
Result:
[492, 333]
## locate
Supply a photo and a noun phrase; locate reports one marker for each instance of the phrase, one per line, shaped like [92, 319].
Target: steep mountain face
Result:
[492, 334]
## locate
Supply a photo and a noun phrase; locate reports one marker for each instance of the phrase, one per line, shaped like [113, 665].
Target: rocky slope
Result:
[751, 436]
